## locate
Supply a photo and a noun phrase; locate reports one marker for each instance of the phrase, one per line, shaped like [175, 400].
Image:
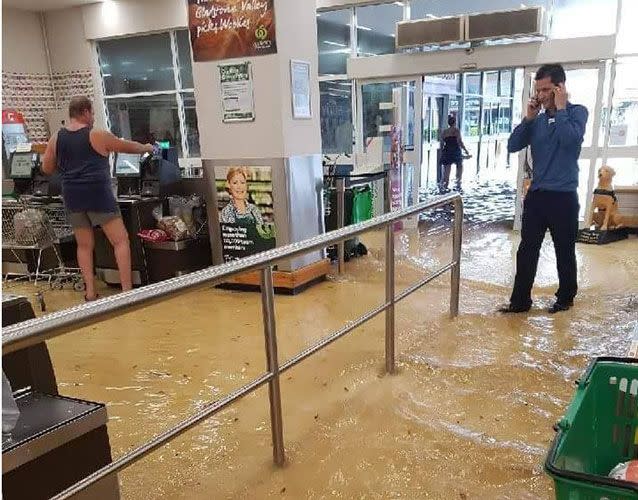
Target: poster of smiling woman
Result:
[246, 216]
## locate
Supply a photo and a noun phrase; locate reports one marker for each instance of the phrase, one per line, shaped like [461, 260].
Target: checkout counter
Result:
[57, 440]
[143, 184]
[34, 190]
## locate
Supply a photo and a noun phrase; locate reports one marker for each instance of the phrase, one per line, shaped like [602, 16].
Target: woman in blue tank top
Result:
[81, 155]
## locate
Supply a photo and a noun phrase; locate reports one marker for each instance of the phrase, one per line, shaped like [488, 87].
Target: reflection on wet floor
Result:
[468, 415]
[486, 202]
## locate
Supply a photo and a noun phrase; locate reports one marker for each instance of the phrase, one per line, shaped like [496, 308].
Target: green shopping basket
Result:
[598, 432]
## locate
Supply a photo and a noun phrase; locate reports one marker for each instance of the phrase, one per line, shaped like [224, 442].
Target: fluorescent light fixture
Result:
[336, 44]
[364, 28]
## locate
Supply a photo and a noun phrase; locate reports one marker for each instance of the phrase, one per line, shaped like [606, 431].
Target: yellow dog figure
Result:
[604, 207]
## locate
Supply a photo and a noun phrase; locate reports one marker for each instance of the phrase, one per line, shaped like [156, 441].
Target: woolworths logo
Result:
[261, 33]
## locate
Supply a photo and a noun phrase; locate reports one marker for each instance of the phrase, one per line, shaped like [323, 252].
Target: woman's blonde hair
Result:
[233, 171]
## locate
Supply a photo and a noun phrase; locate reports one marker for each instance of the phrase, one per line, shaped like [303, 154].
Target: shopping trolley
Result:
[30, 229]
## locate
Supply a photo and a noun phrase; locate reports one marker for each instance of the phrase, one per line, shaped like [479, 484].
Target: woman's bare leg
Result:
[86, 244]
[116, 232]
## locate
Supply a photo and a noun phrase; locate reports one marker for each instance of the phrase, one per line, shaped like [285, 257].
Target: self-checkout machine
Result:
[258, 111]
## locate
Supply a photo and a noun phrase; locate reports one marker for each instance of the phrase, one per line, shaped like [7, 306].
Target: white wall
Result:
[298, 40]
[127, 17]
[22, 43]
[261, 138]
[68, 46]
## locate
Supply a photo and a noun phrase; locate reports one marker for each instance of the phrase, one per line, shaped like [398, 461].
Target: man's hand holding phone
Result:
[560, 96]
[533, 107]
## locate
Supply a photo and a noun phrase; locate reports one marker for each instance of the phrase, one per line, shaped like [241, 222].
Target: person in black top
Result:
[451, 153]
[81, 155]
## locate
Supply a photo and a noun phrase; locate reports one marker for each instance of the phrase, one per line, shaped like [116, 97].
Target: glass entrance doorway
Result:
[484, 106]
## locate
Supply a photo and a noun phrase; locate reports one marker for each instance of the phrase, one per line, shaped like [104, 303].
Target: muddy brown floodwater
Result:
[469, 413]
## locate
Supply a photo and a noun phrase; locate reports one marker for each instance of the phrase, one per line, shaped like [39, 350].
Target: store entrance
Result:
[484, 105]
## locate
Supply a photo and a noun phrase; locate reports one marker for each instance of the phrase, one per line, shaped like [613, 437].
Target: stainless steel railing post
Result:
[387, 193]
[341, 221]
[457, 240]
[272, 360]
[389, 298]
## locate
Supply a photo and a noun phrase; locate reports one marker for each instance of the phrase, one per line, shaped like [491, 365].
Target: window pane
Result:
[505, 117]
[185, 59]
[336, 117]
[471, 116]
[582, 85]
[627, 42]
[505, 84]
[595, 17]
[381, 104]
[422, 9]
[138, 64]
[626, 171]
[146, 119]
[491, 83]
[192, 132]
[473, 83]
[333, 37]
[624, 116]
[376, 27]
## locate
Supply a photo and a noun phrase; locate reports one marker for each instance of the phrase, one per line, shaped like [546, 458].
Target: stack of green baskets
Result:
[599, 431]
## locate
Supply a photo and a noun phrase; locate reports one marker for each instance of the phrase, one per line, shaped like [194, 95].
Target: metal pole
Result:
[457, 239]
[387, 193]
[341, 209]
[274, 393]
[389, 298]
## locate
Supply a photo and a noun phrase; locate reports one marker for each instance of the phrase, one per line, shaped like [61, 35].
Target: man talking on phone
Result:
[554, 129]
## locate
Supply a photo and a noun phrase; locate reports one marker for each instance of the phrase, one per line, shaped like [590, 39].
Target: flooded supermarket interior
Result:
[292, 274]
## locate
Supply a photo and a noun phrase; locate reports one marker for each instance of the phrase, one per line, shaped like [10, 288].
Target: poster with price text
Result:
[226, 29]
[238, 102]
[246, 215]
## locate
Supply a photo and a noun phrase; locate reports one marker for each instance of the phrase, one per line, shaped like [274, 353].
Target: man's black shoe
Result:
[511, 309]
[558, 307]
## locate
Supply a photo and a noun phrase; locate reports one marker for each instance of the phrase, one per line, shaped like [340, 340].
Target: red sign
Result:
[10, 116]
[226, 29]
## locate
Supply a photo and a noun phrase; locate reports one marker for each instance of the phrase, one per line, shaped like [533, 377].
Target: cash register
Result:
[28, 179]
[147, 175]
[143, 181]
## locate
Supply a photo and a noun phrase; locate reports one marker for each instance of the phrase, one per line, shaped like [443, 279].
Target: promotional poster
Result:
[246, 215]
[226, 29]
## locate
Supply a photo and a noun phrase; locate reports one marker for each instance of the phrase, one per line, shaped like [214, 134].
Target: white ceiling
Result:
[40, 5]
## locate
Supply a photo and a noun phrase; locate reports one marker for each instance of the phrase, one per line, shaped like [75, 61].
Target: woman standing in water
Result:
[451, 153]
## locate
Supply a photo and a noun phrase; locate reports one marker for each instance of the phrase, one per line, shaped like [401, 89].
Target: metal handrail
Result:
[34, 331]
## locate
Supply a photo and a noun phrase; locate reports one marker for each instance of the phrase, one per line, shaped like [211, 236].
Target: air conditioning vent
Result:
[429, 32]
[506, 24]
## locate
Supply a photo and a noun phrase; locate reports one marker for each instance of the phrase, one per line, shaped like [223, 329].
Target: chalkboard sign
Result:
[226, 29]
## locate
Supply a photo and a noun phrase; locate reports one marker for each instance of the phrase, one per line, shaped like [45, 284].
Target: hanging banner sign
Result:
[238, 102]
[226, 29]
